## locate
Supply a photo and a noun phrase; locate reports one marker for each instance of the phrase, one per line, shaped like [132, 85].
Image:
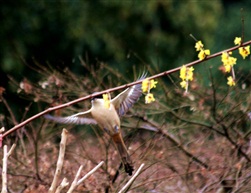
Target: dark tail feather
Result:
[126, 160]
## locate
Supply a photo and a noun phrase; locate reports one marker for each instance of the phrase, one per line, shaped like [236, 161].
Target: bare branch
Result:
[11, 149]
[63, 184]
[75, 181]
[6, 154]
[116, 88]
[153, 126]
[4, 170]
[132, 179]
[60, 161]
[90, 173]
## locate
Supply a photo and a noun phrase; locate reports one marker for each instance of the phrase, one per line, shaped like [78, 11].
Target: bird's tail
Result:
[126, 160]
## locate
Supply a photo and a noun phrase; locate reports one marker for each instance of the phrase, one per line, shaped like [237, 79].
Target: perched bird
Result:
[108, 118]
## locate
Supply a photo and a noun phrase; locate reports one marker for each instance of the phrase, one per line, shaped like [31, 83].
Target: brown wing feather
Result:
[71, 120]
[127, 98]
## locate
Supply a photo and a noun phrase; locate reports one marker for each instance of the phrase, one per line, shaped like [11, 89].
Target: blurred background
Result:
[52, 52]
[125, 35]
[119, 33]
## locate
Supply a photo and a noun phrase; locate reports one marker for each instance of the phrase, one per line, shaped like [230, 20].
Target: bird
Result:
[108, 119]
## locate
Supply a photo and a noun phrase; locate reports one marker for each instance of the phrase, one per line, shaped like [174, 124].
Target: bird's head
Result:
[94, 99]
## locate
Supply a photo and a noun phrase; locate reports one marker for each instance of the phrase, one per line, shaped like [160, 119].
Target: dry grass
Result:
[202, 143]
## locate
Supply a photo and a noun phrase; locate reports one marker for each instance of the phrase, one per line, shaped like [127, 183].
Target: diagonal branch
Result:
[77, 182]
[144, 123]
[116, 88]
[132, 179]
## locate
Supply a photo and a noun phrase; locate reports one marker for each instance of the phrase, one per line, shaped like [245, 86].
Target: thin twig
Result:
[63, 184]
[174, 141]
[13, 118]
[6, 154]
[233, 142]
[90, 173]
[116, 88]
[242, 24]
[132, 179]
[60, 161]
[77, 182]
[4, 170]
[154, 180]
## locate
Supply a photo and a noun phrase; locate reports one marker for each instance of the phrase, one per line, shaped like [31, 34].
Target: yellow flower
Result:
[186, 74]
[144, 85]
[232, 61]
[224, 56]
[149, 98]
[183, 72]
[199, 46]
[203, 53]
[228, 61]
[148, 84]
[105, 97]
[237, 41]
[107, 101]
[227, 68]
[207, 52]
[230, 81]
[153, 84]
[190, 73]
[184, 84]
[244, 51]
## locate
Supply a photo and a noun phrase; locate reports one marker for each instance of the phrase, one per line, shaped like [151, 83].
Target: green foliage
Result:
[42, 46]
[59, 31]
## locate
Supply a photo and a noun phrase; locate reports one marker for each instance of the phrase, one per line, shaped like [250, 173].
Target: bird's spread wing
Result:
[74, 119]
[128, 97]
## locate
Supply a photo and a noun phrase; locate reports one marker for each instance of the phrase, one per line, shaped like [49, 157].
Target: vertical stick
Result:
[4, 170]
[75, 181]
[6, 154]
[59, 162]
